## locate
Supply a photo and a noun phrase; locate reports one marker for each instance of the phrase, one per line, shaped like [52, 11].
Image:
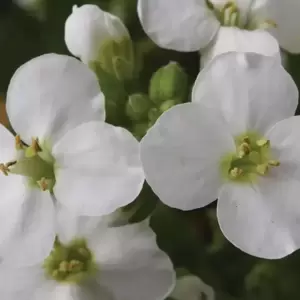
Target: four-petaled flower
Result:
[61, 154]
[91, 261]
[238, 142]
[219, 26]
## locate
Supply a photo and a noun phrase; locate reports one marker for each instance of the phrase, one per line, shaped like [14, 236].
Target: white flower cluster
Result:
[65, 170]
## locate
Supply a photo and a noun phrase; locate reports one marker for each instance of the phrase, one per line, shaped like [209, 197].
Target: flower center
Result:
[229, 15]
[253, 158]
[34, 162]
[70, 263]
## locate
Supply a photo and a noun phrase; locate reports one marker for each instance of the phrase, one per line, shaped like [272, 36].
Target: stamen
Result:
[45, 184]
[274, 163]
[235, 172]
[267, 24]
[33, 149]
[262, 169]
[4, 169]
[18, 143]
[243, 150]
[263, 143]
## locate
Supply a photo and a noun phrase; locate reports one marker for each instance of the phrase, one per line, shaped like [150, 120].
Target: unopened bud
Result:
[169, 82]
[137, 106]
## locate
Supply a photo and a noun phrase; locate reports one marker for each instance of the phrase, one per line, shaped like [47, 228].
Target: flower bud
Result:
[166, 105]
[96, 36]
[168, 82]
[138, 106]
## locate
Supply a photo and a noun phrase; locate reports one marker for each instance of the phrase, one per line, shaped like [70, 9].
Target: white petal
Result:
[234, 39]
[262, 220]
[31, 220]
[88, 27]
[179, 25]
[133, 270]
[240, 86]
[51, 94]
[19, 283]
[286, 16]
[192, 288]
[71, 226]
[102, 164]
[7, 146]
[181, 154]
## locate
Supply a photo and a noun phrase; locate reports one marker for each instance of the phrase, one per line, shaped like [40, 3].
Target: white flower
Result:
[91, 167]
[237, 142]
[219, 26]
[190, 287]
[88, 28]
[91, 261]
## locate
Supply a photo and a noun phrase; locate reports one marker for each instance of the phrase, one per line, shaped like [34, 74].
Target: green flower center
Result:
[70, 263]
[253, 158]
[229, 15]
[35, 162]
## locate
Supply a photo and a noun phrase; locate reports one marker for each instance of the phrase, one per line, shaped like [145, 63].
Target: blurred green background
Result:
[193, 239]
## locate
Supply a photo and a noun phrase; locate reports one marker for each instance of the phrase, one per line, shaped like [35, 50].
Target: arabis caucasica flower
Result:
[94, 35]
[237, 141]
[90, 261]
[60, 154]
[218, 26]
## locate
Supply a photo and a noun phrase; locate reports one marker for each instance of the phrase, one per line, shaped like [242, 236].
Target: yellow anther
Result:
[43, 184]
[262, 169]
[63, 266]
[235, 172]
[243, 150]
[4, 169]
[35, 145]
[274, 163]
[75, 265]
[267, 24]
[246, 139]
[18, 143]
[263, 143]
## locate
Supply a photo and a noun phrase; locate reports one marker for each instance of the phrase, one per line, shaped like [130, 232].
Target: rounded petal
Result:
[29, 223]
[133, 270]
[240, 86]
[285, 14]
[88, 27]
[19, 283]
[237, 40]
[181, 155]
[179, 25]
[52, 94]
[193, 288]
[262, 220]
[102, 164]
[7, 148]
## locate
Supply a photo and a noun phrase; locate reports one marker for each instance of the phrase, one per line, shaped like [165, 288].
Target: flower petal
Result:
[179, 25]
[88, 27]
[19, 283]
[193, 288]
[181, 155]
[30, 218]
[102, 164]
[262, 220]
[133, 270]
[240, 86]
[52, 94]
[285, 14]
[7, 149]
[234, 39]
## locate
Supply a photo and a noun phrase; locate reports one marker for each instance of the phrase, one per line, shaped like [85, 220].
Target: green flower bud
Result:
[166, 105]
[139, 130]
[137, 106]
[153, 114]
[168, 82]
